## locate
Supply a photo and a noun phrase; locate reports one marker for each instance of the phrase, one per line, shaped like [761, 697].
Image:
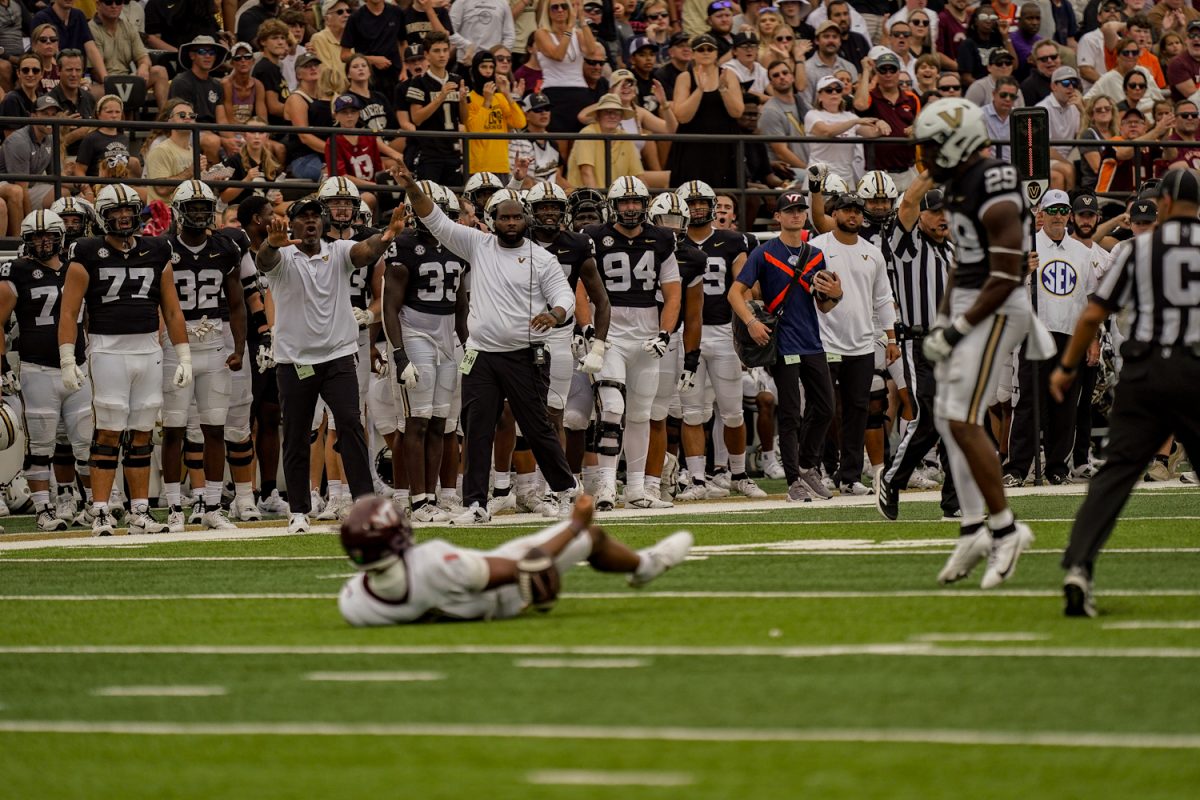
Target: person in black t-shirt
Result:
[435, 104]
[376, 30]
[274, 39]
[195, 84]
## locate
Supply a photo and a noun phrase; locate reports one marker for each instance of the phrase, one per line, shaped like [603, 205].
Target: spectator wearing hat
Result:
[533, 160]
[376, 30]
[1000, 65]
[73, 34]
[825, 60]
[563, 44]
[244, 95]
[482, 24]
[751, 75]
[996, 115]
[831, 118]
[641, 56]
[1183, 71]
[171, 25]
[327, 42]
[707, 100]
[1119, 171]
[720, 26]
[359, 158]
[609, 32]
[1113, 82]
[489, 109]
[794, 13]
[196, 84]
[1064, 106]
[586, 165]
[121, 46]
[679, 59]
[624, 86]
[879, 95]
[28, 152]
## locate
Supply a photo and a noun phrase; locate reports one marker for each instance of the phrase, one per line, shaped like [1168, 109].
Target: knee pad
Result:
[574, 419]
[877, 402]
[609, 443]
[82, 469]
[699, 416]
[521, 445]
[138, 455]
[239, 433]
[63, 455]
[612, 398]
[37, 467]
[239, 454]
[104, 456]
[734, 420]
[193, 454]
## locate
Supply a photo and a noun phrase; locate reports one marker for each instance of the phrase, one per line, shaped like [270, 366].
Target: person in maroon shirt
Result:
[1183, 71]
[879, 95]
[952, 29]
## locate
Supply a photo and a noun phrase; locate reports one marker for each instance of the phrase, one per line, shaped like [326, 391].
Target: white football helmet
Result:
[698, 191]
[364, 213]
[341, 198]
[34, 226]
[628, 188]
[112, 197]
[442, 197]
[833, 184]
[954, 126]
[10, 426]
[479, 187]
[194, 205]
[550, 197]
[77, 215]
[877, 185]
[668, 210]
[499, 197]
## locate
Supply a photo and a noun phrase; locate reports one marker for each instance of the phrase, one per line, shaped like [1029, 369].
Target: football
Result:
[538, 580]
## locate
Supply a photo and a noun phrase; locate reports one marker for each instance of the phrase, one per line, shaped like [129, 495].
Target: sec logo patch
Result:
[1059, 277]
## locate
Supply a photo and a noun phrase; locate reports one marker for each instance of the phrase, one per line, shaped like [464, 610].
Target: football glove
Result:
[581, 341]
[265, 358]
[9, 383]
[72, 376]
[406, 373]
[364, 317]
[940, 342]
[594, 360]
[817, 173]
[657, 345]
[691, 363]
[183, 373]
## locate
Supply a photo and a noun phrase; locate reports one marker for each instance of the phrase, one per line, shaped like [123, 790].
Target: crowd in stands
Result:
[1109, 70]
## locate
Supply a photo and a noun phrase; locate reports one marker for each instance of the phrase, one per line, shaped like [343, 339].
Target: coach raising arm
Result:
[316, 340]
[518, 293]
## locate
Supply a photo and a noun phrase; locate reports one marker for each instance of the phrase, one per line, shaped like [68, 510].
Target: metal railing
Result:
[741, 190]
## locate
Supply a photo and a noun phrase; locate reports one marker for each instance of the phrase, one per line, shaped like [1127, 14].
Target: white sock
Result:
[458, 485]
[40, 499]
[635, 483]
[140, 506]
[447, 496]
[502, 480]
[402, 495]
[526, 483]
[243, 490]
[334, 489]
[737, 463]
[607, 475]
[653, 483]
[695, 465]
[1001, 520]
[212, 494]
[171, 492]
[99, 506]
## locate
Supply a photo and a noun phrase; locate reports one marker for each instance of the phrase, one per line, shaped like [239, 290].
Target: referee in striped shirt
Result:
[1158, 281]
[922, 255]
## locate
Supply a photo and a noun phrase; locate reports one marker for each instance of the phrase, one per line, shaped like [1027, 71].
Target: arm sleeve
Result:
[458, 239]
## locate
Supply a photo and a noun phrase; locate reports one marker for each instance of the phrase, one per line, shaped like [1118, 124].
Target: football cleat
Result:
[430, 513]
[1002, 560]
[298, 523]
[606, 496]
[799, 492]
[273, 504]
[644, 499]
[175, 520]
[382, 489]
[528, 502]
[215, 520]
[722, 479]
[969, 550]
[549, 506]
[502, 502]
[244, 509]
[85, 516]
[660, 557]
[1012, 481]
[315, 504]
[47, 520]
[887, 499]
[1077, 594]
[102, 523]
[66, 505]
[770, 465]
[1157, 472]
[921, 481]
[748, 488]
[812, 479]
[475, 515]
[116, 504]
[190, 500]
[140, 521]
[856, 489]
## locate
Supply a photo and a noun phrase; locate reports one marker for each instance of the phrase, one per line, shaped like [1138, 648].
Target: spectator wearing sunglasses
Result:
[1183, 72]
[825, 61]
[1137, 29]
[1046, 58]
[983, 38]
[1065, 108]
[1112, 84]
[563, 45]
[996, 114]
[1089, 54]
[1000, 65]
[879, 96]
[168, 155]
[121, 46]
[1186, 129]
[196, 84]
[720, 26]
[831, 118]
[707, 99]
[73, 34]
[19, 102]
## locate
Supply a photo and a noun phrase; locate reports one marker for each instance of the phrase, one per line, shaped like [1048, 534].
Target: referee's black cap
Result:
[934, 200]
[1180, 184]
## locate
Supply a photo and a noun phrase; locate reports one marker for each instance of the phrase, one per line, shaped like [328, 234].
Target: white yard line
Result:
[1014, 636]
[580, 663]
[592, 777]
[1153, 625]
[375, 677]
[885, 650]
[963, 737]
[160, 691]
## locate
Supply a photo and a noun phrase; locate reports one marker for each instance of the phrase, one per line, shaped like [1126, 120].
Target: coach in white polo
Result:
[316, 341]
[1061, 285]
[518, 293]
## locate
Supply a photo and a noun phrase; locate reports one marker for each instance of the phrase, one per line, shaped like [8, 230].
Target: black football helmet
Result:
[375, 533]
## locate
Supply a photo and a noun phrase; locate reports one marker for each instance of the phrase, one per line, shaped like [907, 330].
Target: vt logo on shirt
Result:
[1058, 277]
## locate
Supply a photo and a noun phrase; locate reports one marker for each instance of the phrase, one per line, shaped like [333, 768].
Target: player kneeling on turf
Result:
[405, 582]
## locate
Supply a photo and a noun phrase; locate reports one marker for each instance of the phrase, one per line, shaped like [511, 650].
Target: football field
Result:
[803, 651]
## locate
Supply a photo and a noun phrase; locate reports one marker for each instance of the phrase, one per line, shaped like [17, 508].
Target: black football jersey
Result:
[984, 183]
[692, 265]
[720, 250]
[360, 278]
[571, 250]
[434, 273]
[630, 267]
[124, 288]
[39, 298]
[200, 276]
[421, 92]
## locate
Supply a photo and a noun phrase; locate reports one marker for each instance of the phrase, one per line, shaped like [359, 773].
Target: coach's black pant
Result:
[852, 376]
[1083, 415]
[801, 423]
[1057, 423]
[335, 382]
[921, 433]
[512, 376]
[1157, 396]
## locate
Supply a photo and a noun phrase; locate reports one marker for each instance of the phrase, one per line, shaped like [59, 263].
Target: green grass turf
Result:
[1011, 687]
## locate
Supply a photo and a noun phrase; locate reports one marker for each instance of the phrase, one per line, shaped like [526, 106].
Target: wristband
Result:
[1067, 370]
[956, 330]
[66, 354]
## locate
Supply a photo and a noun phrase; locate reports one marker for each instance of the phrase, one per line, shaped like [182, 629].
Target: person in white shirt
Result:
[848, 332]
[831, 118]
[1064, 107]
[518, 294]
[481, 25]
[1085, 219]
[316, 341]
[1062, 281]
[1089, 54]
[744, 63]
